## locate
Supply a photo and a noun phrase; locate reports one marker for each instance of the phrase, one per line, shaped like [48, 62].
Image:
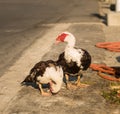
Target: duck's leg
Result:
[67, 81]
[68, 84]
[42, 92]
[79, 84]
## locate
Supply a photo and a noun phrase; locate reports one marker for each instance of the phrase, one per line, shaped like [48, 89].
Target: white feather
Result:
[54, 74]
[51, 74]
[72, 54]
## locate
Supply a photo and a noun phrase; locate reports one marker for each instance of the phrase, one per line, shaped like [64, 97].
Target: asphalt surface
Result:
[22, 20]
[88, 30]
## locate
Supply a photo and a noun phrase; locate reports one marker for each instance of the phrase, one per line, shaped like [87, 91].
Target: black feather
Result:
[38, 70]
[72, 67]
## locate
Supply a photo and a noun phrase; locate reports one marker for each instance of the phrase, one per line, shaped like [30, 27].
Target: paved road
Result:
[21, 21]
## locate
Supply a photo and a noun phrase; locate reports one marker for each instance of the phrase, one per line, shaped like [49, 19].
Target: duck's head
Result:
[66, 37]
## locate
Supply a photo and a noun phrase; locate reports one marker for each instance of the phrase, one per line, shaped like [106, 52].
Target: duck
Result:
[74, 60]
[46, 72]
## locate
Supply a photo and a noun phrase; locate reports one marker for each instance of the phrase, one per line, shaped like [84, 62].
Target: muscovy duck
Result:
[46, 72]
[73, 60]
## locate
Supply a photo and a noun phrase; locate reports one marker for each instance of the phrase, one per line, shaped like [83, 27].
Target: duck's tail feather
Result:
[29, 78]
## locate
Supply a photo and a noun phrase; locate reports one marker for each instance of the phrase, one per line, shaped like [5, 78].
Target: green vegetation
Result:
[111, 96]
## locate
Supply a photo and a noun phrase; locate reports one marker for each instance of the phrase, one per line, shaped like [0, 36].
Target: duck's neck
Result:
[71, 43]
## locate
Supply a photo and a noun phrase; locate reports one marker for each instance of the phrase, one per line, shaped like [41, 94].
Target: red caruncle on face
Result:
[61, 37]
